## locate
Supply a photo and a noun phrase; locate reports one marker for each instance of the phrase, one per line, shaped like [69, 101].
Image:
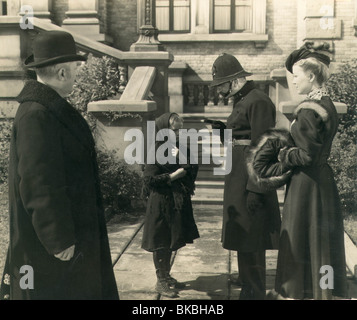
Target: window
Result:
[209, 20]
[3, 8]
[232, 15]
[172, 15]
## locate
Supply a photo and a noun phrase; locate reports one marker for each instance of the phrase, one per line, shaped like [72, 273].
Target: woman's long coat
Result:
[55, 202]
[253, 113]
[312, 234]
[169, 221]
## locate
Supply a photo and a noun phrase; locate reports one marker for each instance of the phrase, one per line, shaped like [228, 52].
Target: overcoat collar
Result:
[60, 108]
[249, 86]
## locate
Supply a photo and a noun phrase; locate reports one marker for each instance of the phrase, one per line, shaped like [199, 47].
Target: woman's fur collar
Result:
[312, 105]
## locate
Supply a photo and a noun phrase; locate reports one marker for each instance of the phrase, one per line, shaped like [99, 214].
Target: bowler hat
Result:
[53, 47]
[227, 68]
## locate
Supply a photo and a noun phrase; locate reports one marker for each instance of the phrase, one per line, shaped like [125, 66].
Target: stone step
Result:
[209, 184]
[211, 192]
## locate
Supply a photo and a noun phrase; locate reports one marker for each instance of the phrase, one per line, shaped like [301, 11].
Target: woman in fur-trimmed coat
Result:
[312, 233]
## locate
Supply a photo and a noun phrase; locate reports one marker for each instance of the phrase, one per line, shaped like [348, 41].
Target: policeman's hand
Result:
[179, 173]
[174, 151]
[66, 254]
[218, 125]
[255, 201]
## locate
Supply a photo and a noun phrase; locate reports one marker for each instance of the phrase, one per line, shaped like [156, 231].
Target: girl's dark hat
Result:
[53, 47]
[227, 68]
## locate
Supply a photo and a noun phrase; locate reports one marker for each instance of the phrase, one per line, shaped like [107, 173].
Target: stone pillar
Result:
[176, 71]
[148, 33]
[159, 89]
[82, 18]
[155, 55]
[129, 115]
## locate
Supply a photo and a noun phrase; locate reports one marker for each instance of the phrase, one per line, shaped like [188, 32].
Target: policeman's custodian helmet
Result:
[227, 68]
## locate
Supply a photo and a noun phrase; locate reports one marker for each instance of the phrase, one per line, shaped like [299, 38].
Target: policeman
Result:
[251, 217]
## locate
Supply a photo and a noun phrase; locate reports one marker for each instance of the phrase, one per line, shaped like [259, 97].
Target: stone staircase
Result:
[210, 187]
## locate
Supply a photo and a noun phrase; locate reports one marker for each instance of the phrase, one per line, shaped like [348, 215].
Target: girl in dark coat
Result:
[169, 222]
[312, 234]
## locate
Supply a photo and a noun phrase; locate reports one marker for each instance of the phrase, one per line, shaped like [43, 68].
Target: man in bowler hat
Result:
[251, 218]
[57, 225]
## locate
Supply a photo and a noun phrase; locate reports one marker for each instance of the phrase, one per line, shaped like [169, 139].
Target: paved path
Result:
[204, 266]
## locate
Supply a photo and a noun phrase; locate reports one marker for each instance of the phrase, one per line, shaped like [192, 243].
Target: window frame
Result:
[233, 19]
[171, 18]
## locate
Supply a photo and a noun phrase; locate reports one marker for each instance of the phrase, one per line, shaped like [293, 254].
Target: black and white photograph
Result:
[179, 155]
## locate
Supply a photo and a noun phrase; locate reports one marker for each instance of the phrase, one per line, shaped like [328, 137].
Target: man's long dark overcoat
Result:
[55, 202]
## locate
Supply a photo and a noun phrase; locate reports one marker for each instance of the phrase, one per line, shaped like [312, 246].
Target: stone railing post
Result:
[148, 33]
[176, 71]
[148, 42]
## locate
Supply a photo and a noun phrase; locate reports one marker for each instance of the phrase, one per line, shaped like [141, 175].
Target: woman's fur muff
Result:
[262, 161]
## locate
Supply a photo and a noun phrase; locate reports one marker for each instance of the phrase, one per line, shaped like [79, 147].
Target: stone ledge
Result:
[221, 37]
[122, 106]
[288, 107]
[208, 78]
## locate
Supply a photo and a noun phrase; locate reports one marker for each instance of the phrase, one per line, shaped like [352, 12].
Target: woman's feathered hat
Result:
[321, 52]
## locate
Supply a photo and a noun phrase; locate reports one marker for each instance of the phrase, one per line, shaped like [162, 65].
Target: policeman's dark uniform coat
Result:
[253, 114]
[55, 202]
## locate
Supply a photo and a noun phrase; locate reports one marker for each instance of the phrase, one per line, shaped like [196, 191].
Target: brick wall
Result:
[346, 48]
[118, 19]
[281, 28]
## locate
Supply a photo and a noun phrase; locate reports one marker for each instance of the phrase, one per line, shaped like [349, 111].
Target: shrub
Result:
[342, 87]
[119, 183]
[343, 162]
[5, 135]
[97, 79]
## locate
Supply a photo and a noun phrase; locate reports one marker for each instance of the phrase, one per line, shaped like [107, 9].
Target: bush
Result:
[119, 183]
[5, 135]
[343, 162]
[97, 79]
[342, 88]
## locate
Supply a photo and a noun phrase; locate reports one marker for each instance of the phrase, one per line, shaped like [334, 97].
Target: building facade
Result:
[260, 33]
